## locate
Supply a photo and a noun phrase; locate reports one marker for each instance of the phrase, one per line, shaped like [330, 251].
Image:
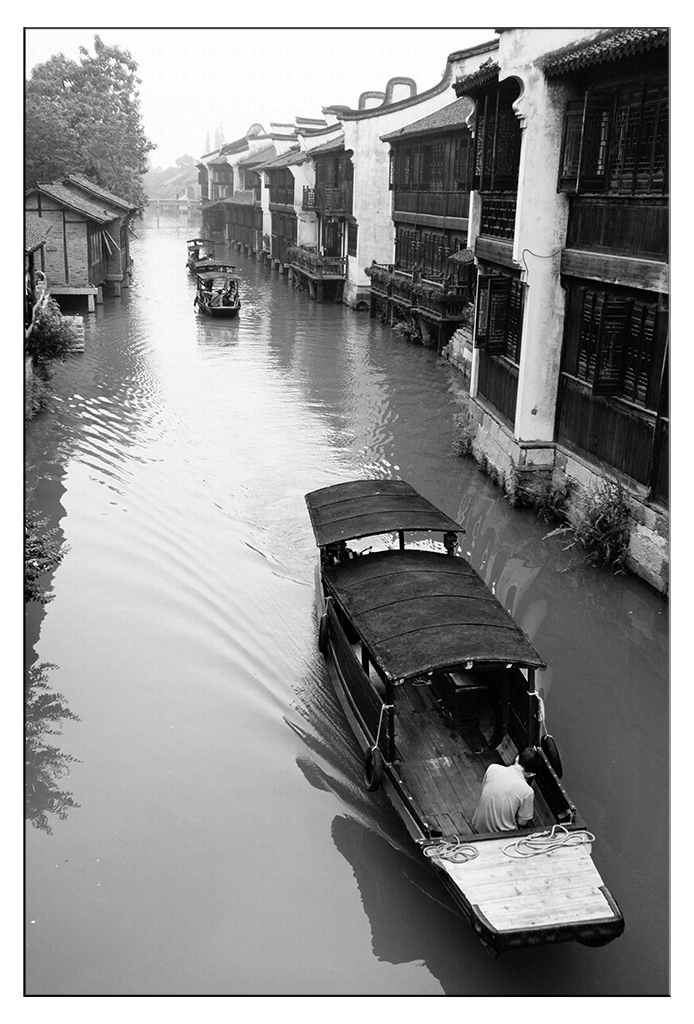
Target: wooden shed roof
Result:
[365, 508]
[418, 611]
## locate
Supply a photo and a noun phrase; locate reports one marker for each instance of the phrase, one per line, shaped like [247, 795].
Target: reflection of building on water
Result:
[46, 764]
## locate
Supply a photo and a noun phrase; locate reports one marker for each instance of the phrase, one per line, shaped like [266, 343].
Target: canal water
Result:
[198, 823]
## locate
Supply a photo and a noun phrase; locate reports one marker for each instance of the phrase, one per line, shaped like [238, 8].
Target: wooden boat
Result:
[201, 254]
[218, 294]
[438, 682]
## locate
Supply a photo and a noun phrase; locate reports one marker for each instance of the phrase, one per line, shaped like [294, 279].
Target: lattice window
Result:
[497, 141]
[407, 248]
[616, 141]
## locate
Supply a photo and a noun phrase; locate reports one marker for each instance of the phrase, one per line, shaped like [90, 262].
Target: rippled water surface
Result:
[216, 838]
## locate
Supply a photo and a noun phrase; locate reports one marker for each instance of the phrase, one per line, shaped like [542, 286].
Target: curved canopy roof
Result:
[417, 611]
[362, 508]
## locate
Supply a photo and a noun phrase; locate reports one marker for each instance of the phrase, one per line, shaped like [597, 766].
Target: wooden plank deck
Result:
[554, 888]
[443, 762]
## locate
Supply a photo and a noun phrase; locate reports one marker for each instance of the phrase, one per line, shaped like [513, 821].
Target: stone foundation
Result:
[513, 464]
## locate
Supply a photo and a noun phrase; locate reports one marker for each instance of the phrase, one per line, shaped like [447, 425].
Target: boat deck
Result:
[443, 762]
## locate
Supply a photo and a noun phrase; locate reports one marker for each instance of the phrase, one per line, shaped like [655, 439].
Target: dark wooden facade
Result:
[282, 212]
[613, 402]
[324, 272]
[612, 394]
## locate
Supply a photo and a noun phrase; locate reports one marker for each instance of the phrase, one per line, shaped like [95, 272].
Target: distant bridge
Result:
[177, 206]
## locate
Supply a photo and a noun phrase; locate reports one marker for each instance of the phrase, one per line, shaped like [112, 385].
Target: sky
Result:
[194, 80]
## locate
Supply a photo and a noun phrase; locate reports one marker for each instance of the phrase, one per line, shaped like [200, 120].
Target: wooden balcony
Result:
[632, 226]
[408, 291]
[318, 268]
[324, 199]
[434, 204]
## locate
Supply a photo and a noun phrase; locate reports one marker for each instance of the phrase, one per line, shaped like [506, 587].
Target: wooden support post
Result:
[390, 722]
[533, 715]
[91, 305]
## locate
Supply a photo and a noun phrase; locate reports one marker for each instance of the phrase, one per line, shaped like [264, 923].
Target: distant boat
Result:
[437, 682]
[201, 253]
[217, 293]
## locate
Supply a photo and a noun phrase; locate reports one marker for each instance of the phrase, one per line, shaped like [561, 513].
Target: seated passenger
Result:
[507, 799]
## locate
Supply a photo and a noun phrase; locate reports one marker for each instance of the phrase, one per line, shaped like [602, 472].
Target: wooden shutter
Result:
[481, 310]
[571, 146]
[611, 350]
[499, 292]
[492, 312]
[595, 143]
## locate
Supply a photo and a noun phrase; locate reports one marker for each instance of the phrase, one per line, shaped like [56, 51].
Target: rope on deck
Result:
[451, 850]
[545, 842]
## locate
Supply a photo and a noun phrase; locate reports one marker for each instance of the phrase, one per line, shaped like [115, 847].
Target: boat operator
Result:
[507, 799]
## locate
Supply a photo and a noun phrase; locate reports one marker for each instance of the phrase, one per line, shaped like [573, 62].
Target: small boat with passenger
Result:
[201, 254]
[438, 683]
[218, 293]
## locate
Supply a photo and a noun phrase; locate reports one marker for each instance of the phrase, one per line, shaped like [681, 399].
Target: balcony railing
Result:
[317, 266]
[631, 227]
[325, 199]
[437, 204]
[409, 291]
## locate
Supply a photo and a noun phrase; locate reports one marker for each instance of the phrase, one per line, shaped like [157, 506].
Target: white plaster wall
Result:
[541, 220]
[372, 202]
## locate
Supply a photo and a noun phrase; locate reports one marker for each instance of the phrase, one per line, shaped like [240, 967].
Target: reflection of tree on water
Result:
[45, 763]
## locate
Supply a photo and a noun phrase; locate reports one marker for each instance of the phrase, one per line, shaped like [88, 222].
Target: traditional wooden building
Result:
[36, 292]
[89, 245]
[281, 190]
[430, 283]
[569, 227]
[324, 267]
[378, 115]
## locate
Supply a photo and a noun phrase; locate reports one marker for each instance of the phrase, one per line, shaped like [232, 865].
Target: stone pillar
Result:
[540, 235]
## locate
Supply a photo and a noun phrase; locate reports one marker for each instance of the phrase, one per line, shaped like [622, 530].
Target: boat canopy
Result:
[200, 241]
[418, 611]
[365, 508]
[216, 275]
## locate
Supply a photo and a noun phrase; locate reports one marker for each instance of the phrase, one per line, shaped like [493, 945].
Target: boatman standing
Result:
[507, 799]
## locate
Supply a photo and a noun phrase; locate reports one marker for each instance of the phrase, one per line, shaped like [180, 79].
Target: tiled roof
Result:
[451, 116]
[463, 256]
[327, 147]
[76, 200]
[235, 147]
[35, 232]
[288, 159]
[487, 72]
[613, 44]
[258, 158]
[97, 190]
[246, 198]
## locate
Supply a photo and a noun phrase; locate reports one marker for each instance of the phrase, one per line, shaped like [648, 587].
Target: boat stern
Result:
[514, 899]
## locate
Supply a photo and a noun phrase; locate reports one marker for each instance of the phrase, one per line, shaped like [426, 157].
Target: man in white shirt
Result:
[507, 799]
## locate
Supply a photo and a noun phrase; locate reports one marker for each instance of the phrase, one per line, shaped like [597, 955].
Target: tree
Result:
[83, 117]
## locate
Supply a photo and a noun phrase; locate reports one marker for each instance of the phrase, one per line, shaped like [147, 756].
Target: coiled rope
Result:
[545, 842]
[451, 850]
